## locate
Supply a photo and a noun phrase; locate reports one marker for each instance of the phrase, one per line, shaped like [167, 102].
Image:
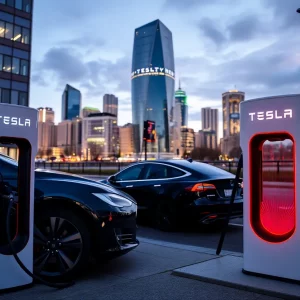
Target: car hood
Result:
[42, 174]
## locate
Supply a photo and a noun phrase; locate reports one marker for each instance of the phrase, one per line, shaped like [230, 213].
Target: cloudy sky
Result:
[218, 44]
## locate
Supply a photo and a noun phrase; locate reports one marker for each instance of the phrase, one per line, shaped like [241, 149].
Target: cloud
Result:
[284, 12]
[96, 77]
[210, 30]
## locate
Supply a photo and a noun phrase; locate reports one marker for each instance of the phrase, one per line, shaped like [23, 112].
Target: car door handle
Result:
[157, 185]
[129, 186]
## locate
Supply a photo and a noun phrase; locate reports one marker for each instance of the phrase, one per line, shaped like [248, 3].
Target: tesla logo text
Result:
[15, 121]
[271, 114]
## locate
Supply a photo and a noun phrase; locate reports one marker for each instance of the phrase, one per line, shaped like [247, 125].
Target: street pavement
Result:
[145, 273]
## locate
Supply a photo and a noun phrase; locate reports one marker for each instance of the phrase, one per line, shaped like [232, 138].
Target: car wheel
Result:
[61, 244]
[164, 219]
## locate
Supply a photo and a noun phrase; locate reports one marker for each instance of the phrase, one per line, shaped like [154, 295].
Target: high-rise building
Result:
[188, 140]
[86, 111]
[231, 120]
[15, 51]
[45, 114]
[126, 140]
[47, 131]
[64, 136]
[15, 55]
[152, 84]
[100, 136]
[231, 112]
[210, 125]
[110, 104]
[71, 103]
[76, 135]
[181, 98]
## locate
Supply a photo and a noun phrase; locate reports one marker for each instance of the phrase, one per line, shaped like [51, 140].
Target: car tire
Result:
[62, 244]
[164, 218]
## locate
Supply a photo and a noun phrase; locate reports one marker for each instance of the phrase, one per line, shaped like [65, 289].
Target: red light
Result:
[202, 187]
[272, 186]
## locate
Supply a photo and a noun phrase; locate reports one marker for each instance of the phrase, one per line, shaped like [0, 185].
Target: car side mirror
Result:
[112, 178]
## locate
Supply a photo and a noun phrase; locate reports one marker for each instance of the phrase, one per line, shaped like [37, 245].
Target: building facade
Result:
[126, 140]
[86, 111]
[47, 131]
[100, 136]
[210, 126]
[231, 112]
[188, 140]
[110, 104]
[71, 103]
[231, 120]
[15, 55]
[64, 136]
[45, 114]
[181, 98]
[152, 84]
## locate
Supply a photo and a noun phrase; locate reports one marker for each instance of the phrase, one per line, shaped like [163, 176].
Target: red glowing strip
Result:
[265, 218]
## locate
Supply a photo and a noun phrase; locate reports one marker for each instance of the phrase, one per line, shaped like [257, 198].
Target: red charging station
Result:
[270, 130]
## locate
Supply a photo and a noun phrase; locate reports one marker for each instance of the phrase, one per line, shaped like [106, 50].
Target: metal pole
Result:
[145, 149]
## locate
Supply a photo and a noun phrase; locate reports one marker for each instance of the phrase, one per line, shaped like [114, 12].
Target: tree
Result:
[235, 152]
[205, 154]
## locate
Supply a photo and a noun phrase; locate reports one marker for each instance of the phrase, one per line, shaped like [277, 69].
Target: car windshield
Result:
[9, 160]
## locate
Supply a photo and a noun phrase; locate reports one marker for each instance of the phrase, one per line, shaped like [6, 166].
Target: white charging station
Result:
[270, 132]
[18, 126]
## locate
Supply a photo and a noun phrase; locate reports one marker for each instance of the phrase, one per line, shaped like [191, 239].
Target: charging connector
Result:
[20, 263]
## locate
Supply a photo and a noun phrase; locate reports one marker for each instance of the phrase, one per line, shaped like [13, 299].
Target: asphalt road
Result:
[202, 237]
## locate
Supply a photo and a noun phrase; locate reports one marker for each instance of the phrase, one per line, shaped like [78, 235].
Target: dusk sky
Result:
[218, 44]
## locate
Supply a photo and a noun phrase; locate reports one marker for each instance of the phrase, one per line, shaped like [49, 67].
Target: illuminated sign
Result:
[271, 114]
[149, 131]
[235, 116]
[155, 71]
[14, 121]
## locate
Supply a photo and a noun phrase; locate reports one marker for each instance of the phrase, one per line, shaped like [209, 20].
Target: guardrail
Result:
[108, 168]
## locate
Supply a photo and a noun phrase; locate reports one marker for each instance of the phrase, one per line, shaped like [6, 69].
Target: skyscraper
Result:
[110, 104]
[180, 97]
[71, 103]
[46, 114]
[15, 51]
[210, 124]
[231, 112]
[231, 120]
[152, 83]
[86, 111]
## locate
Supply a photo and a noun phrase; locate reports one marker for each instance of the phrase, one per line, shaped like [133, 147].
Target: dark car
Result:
[75, 218]
[176, 192]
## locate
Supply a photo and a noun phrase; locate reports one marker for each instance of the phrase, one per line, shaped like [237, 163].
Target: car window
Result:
[131, 173]
[160, 171]
[8, 169]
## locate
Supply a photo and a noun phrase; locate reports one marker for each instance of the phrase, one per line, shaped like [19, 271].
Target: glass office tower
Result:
[181, 97]
[15, 50]
[152, 84]
[71, 103]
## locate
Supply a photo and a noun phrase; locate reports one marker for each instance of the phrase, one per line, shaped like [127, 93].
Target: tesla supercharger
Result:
[270, 133]
[18, 129]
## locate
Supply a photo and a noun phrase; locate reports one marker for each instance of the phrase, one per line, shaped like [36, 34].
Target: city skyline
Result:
[265, 62]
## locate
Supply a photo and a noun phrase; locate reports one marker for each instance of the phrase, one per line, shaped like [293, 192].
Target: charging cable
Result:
[23, 267]
[234, 190]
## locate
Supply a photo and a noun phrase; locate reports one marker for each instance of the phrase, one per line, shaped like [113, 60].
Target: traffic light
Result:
[149, 131]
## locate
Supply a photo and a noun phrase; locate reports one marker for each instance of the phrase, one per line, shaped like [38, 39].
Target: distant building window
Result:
[24, 67]
[2, 28]
[17, 34]
[27, 5]
[16, 65]
[6, 63]
[23, 99]
[9, 30]
[14, 97]
[18, 4]
[10, 3]
[5, 96]
[25, 36]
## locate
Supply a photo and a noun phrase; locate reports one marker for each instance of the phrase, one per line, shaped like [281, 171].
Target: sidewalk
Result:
[145, 273]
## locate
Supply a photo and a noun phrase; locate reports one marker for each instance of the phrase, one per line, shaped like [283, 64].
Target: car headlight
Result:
[114, 200]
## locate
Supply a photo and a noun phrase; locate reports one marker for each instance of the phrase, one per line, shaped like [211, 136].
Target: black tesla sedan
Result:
[176, 192]
[75, 218]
